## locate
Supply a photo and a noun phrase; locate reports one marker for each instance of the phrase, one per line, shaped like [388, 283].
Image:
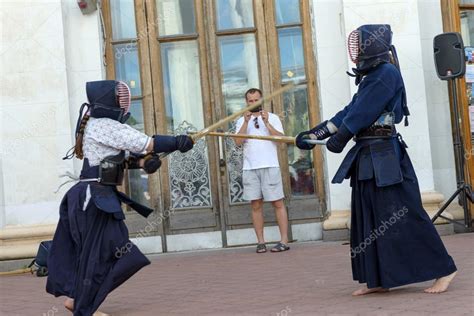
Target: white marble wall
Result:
[84, 53]
[2, 199]
[46, 60]
[35, 111]
[333, 83]
[2, 153]
[431, 24]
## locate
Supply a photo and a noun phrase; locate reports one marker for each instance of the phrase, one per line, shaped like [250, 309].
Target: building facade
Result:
[188, 64]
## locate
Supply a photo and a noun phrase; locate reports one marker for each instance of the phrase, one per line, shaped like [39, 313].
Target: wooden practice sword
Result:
[237, 114]
[280, 139]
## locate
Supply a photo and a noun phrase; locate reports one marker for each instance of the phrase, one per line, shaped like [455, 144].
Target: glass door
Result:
[291, 58]
[189, 64]
[238, 62]
[127, 59]
[182, 105]
[266, 44]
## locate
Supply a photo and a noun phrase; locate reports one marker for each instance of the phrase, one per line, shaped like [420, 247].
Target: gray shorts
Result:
[264, 182]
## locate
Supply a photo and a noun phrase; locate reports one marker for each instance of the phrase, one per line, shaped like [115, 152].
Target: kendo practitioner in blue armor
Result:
[393, 241]
[83, 263]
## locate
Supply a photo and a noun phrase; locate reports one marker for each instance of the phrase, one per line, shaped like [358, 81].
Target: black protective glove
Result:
[166, 143]
[184, 143]
[151, 162]
[321, 132]
[338, 141]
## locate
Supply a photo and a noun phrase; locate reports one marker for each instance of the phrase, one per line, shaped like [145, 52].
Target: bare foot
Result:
[366, 290]
[441, 284]
[69, 304]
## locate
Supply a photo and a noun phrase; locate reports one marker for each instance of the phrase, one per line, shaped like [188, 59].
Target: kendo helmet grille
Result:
[353, 45]
[124, 96]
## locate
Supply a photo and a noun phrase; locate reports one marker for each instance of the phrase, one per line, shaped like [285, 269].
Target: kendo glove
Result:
[165, 143]
[319, 132]
[184, 143]
[338, 141]
[151, 162]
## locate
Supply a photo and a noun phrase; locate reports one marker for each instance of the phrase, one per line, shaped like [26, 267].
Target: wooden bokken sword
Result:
[237, 114]
[280, 139]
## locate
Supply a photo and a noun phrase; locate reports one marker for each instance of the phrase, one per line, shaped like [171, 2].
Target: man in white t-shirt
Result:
[261, 171]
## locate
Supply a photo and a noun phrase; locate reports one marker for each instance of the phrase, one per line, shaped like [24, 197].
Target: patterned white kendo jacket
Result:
[105, 137]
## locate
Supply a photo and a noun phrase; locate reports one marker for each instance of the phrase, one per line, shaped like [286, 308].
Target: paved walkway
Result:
[311, 279]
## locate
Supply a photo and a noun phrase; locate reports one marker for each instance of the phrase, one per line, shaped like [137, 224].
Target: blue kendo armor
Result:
[380, 91]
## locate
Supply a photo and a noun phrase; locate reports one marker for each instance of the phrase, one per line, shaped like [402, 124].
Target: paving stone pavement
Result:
[311, 279]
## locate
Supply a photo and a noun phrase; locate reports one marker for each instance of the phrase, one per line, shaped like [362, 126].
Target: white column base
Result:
[432, 200]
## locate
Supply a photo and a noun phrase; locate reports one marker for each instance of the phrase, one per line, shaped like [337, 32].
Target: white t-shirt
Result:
[260, 153]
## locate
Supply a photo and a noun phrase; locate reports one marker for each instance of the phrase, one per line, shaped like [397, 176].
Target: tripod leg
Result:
[469, 193]
[468, 196]
[441, 210]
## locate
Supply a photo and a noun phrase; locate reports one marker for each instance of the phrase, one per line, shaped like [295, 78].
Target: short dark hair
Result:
[252, 91]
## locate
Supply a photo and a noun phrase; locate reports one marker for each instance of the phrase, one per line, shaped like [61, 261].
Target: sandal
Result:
[261, 248]
[280, 247]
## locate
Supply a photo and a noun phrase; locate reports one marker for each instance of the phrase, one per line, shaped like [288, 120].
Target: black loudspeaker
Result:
[450, 64]
[449, 56]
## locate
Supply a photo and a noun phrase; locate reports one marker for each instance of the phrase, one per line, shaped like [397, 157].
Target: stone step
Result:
[18, 242]
[18, 251]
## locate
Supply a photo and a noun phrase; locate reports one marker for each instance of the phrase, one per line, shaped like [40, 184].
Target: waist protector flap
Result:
[386, 164]
[344, 169]
[106, 200]
[365, 169]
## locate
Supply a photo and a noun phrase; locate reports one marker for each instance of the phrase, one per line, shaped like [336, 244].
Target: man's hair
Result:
[252, 91]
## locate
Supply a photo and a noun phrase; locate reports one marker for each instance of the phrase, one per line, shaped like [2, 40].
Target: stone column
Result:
[334, 89]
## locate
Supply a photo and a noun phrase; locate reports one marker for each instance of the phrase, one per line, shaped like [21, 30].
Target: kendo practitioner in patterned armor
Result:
[83, 262]
[393, 241]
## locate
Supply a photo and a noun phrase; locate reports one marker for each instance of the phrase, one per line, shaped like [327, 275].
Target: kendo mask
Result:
[369, 45]
[109, 99]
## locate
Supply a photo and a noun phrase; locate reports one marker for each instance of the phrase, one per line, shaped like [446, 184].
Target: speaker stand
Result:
[464, 190]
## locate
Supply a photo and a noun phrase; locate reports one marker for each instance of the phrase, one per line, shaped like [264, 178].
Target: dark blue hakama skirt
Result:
[393, 241]
[91, 253]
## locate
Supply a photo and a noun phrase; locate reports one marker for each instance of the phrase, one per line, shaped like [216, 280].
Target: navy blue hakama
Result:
[393, 241]
[91, 253]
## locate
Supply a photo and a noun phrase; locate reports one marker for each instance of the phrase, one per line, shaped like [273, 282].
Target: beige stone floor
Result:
[310, 279]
